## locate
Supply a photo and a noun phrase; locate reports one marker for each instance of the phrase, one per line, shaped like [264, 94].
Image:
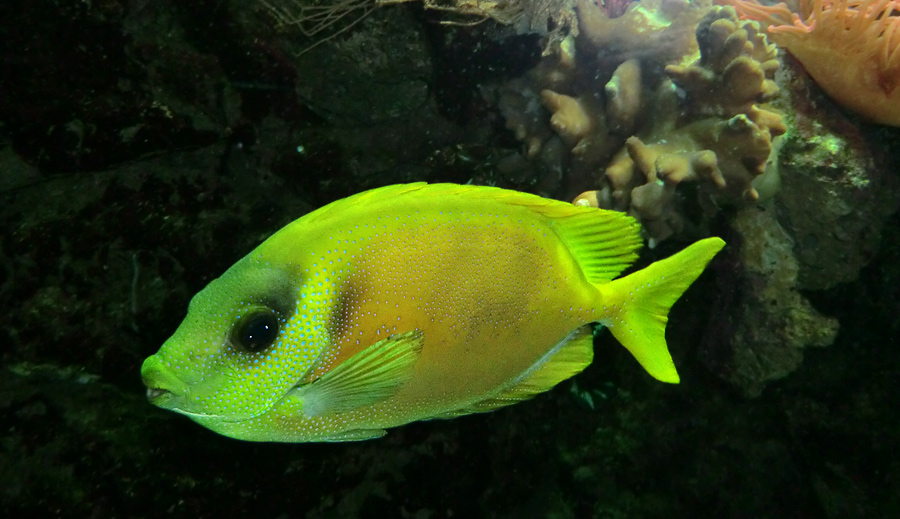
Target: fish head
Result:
[242, 346]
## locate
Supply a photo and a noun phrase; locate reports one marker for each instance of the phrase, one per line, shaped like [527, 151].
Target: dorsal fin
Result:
[603, 243]
[372, 195]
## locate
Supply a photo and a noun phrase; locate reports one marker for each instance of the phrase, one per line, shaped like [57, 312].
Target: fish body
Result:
[414, 302]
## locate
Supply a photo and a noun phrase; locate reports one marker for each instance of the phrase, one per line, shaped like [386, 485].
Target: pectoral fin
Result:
[370, 376]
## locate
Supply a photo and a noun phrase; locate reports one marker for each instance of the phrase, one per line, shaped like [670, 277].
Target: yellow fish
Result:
[414, 302]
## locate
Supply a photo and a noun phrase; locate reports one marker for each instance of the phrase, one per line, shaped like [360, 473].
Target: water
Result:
[146, 146]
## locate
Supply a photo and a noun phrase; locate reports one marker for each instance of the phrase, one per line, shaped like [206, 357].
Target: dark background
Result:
[146, 146]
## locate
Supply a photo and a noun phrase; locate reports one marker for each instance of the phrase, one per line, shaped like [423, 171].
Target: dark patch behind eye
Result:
[267, 291]
[347, 304]
[276, 289]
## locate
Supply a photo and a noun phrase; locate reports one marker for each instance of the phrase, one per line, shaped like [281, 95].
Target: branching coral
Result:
[719, 134]
[658, 31]
[640, 116]
[733, 75]
[850, 47]
[607, 75]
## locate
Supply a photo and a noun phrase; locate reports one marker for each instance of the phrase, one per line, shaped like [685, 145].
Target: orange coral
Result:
[850, 47]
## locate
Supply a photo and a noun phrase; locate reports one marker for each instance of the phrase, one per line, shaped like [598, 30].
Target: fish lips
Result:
[164, 389]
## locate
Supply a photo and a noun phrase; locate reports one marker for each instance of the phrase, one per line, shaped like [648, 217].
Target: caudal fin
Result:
[637, 306]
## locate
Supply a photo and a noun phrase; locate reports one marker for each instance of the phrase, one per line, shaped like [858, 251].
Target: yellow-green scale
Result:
[412, 302]
[492, 288]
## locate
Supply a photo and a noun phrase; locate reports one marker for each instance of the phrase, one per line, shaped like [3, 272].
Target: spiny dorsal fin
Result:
[370, 196]
[604, 243]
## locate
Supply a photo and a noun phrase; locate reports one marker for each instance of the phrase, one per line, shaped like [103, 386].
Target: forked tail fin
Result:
[637, 306]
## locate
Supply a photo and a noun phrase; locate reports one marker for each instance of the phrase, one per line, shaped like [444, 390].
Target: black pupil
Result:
[258, 332]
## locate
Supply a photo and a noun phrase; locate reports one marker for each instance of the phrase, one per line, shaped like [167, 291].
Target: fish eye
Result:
[256, 332]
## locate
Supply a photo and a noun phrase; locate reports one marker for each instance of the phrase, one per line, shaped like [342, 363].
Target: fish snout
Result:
[154, 393]
[164, 389]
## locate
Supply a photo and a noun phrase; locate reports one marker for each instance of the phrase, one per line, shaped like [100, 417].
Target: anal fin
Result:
[566, 359]
[354, 435]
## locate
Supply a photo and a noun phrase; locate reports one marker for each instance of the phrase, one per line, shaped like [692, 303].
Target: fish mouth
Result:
[156, 394]
[164, 389]
[167, 391]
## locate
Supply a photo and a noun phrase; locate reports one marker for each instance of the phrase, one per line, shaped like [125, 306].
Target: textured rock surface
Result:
[836, 195]
[759, 330]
